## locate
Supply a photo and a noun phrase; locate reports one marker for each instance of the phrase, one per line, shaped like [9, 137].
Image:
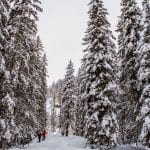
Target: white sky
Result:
[61, 28]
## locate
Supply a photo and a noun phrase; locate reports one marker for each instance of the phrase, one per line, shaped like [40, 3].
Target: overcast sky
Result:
[61, 28]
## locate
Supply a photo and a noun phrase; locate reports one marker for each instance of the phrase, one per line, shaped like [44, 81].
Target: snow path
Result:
[58, 142]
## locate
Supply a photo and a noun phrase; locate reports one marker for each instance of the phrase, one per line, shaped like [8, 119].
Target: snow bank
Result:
[128, 147]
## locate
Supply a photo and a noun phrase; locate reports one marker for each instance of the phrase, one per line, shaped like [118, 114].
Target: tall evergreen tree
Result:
[143, 76]
[80, 101]
[129, 36]
[40, 62]
[99, 93]
[4, 11]
[22, 68]
[78, 114]
[67, 106]
[7, 99]
[23, 17]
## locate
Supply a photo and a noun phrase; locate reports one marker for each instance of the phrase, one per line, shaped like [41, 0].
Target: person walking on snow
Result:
[44, 134]
[39, 136]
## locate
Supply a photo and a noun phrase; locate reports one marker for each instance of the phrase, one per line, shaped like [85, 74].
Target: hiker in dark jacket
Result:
[39, 136]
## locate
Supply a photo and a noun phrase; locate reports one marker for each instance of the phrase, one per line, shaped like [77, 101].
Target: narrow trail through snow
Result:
[58, 142]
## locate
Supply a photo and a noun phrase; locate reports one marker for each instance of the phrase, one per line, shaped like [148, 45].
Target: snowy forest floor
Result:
[57, 142]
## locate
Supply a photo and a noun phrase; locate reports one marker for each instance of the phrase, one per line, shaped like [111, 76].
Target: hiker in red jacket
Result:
[44, 134]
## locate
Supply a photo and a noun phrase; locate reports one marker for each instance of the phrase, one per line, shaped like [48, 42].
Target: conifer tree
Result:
[129, 36]
[4, 11]
[7, 99]
[143, 76]
[77, 92]
[39, 73]
[22, 69]
[23, 19]
[99, 93]
[67, 105]
[80, 101]
[23, 53]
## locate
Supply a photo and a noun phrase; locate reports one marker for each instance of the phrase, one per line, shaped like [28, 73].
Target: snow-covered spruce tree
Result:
[80, 102]
[21, 49]
[22, 68]
[77, 103]
[7, 99]
[100, 92]
[67, 114]
[4, 11]
[38, 85]
[144, 77]
[43, 92]
[128, 39]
